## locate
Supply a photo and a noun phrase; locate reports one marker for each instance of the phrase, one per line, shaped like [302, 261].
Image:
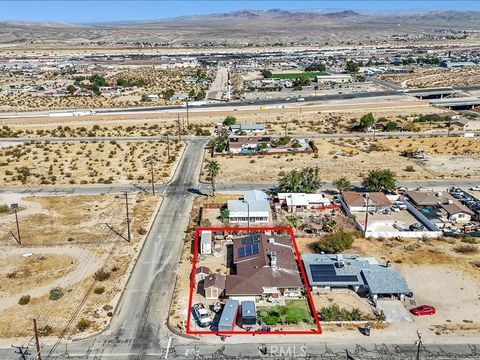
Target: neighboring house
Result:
[357, 201]
[246, 144]
[201, 273]
[214, 286]
[363, 275]
[206, 242]
[254, 208]
[295, 202]
[247, 128]
[441, 202]
[457, 212]
[265, 267]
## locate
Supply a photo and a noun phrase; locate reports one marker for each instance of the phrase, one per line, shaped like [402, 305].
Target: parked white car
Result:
[395, 208]
[401, 205]
[475, 188]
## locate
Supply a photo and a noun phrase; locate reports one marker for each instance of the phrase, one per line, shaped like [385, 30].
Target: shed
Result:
[229, 316]
[214, 286]
[206, 242]
[201, 273]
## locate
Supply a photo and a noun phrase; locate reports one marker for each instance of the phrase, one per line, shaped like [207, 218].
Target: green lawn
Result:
[294, 312]
[310, 74]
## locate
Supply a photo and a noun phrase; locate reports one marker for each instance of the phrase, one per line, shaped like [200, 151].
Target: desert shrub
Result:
[142, 231]
[469, 240]
[83, 324]
[4, 208]
[115, 268]
[109, 314]
[24, 300]
[466, 249]
[99, 290]
[56, 294]
[410, 168]
[46, 330]
[101, 275]
[335, 313]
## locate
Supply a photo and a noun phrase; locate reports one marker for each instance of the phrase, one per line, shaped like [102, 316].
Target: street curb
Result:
[170, 327]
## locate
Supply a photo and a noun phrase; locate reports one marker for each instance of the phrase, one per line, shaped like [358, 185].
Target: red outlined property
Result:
[238, 284]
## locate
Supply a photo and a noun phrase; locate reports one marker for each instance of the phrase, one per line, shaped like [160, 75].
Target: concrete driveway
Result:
[394, 310]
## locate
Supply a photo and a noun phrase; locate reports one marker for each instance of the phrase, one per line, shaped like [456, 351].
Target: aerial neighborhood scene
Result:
[239, 179]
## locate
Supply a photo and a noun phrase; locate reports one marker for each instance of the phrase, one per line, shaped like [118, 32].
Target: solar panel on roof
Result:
[323, 269]
[248, 250]
[250, 239]
[334, 278]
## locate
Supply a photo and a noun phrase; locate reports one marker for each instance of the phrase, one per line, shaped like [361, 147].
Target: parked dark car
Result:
[416, 227]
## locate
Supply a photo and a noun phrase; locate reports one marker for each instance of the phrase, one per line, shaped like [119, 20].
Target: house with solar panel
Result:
[363, 275]
[264, 269]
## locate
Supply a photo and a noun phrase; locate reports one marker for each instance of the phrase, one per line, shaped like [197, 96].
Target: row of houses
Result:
[265, 269]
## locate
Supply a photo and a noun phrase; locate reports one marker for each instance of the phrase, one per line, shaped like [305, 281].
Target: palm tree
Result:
[294, 221]
[213, 169]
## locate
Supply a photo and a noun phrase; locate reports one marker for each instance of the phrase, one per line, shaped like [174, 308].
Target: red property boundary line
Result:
[318, 329]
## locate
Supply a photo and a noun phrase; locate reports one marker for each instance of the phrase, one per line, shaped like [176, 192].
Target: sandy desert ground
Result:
[65, 240]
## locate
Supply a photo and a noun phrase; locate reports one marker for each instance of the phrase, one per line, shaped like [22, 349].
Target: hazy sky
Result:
[94, 11]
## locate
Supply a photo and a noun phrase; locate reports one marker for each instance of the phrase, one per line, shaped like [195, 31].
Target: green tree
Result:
[380, 180]
[98, 80]
[391, 126]
[266, 73]
[229, 120]
[335, 242]
[200, 95]
[367, 121]
[225, 215]
[294, 221]
[352, 66]
[342, 184]
[167, 94]
[315, 67]
[145, 97]
[213, 168]
[331, 226]
[71, 89]
[191, 93]
[306, 180]
[301, 80]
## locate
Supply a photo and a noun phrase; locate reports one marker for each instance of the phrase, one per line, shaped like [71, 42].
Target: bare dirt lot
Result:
[65, 240]
[86, 163]
[436, 77]
[354, 158]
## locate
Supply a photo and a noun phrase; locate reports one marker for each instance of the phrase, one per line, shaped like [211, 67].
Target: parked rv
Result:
[229, 316]
[249, 319]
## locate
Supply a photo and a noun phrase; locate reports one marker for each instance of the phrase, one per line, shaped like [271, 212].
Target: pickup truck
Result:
[202, 315]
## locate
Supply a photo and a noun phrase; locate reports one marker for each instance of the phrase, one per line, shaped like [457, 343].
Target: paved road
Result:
[219, 84]
[439, 184]
[360, 135]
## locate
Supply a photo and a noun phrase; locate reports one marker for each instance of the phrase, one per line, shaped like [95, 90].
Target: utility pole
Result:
[366, 213]
[419, 344]
[37, 342]
[128, 217]
[179, 125]
[17, 238]
[168, 149]
[286, 127]
[150, 160]
[188, 121]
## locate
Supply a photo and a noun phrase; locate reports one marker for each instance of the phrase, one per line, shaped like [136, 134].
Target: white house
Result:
[206, 242]
[254, 208]
[301, 201]
[457, 212]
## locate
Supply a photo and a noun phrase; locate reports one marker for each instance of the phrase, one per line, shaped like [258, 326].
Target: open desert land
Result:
[53, 163]
[69, 260]
[452, 157]
[435, 77]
